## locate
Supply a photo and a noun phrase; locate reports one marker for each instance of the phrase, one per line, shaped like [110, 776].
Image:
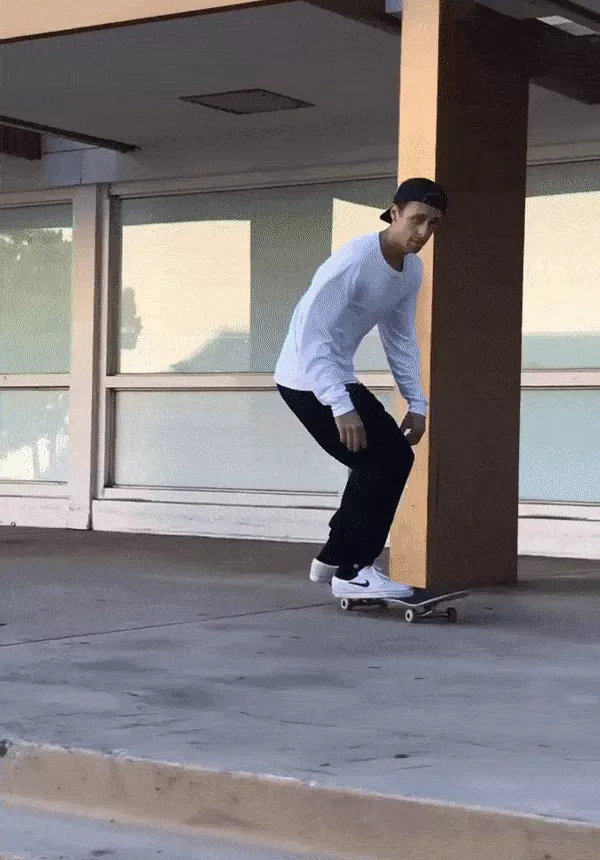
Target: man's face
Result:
[413, 226]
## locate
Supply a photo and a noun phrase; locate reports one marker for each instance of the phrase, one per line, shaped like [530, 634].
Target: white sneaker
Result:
[370, 582]
[320, 572]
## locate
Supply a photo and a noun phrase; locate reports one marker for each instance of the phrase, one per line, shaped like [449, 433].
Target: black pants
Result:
[360, 528]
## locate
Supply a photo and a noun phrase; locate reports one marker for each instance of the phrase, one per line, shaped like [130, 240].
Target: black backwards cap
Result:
[419, 191]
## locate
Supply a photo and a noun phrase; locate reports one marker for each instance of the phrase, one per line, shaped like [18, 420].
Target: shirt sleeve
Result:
[399, 338]
[320, 340]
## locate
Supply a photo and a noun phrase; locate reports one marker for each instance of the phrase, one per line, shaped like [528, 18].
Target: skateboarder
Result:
[372, 281]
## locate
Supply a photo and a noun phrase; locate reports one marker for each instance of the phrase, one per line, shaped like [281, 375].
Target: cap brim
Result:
[387, 216]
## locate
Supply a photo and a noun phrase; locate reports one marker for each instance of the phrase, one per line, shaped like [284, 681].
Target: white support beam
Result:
[88, 209]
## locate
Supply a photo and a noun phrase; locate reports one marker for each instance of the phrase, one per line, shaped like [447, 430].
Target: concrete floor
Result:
[222, 654]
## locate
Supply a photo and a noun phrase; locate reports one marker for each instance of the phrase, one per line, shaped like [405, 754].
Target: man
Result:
[372, 281]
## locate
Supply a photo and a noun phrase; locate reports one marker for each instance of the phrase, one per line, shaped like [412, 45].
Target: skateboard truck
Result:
[422, 606]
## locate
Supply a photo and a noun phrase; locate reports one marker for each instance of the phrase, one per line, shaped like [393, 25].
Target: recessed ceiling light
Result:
[567, 25]
[247, 101]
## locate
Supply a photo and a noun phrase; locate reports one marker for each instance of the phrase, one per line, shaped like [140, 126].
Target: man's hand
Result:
[413, 427]
[352, 431]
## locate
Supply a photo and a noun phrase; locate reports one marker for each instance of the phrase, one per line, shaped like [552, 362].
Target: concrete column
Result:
[463, 121]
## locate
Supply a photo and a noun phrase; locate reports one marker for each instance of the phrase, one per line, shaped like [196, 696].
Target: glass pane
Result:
[561, 312]
[34, 440]
[209, 281]
[218, 440]
[560, 446]
[35, 289]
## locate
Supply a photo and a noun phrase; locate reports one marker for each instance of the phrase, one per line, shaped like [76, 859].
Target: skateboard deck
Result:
[420, 606]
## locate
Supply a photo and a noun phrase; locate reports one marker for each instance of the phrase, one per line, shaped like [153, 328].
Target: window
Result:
[34, 436]
[208, 283]
[36, 286]
[560, 437]
[35, 289]
[561, 311]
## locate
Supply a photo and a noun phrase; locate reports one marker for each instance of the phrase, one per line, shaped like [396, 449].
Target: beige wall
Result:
[20, 20]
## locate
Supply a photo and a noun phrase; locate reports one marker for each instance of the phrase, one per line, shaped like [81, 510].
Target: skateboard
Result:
[420, 606]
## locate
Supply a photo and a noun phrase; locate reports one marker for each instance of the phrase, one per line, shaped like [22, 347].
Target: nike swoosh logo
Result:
[362, 584]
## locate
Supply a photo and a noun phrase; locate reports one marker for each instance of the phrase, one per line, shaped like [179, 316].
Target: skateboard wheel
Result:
[411, 616]
[452, 615]
[346, 604]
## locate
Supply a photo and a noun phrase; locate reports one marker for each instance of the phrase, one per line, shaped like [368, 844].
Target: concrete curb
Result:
[273, 810]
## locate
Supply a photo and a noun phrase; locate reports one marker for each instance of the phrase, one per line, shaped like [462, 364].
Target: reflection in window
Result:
[34, 442]
[167, 439]
[218, 440]
[561, 313]
[35, 289]
[209, 281]
[560, 431]
[185, 304]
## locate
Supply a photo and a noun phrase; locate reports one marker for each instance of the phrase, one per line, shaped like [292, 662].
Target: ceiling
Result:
[125, 83]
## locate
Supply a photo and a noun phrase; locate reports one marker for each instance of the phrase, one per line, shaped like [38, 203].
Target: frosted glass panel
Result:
[218, 440]
[561, 312]
[209, 281]
[34, 435]
[560, 446]
[185, 302]
[35, 289]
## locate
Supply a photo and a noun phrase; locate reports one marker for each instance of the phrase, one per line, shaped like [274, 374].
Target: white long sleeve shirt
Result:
[351, 293]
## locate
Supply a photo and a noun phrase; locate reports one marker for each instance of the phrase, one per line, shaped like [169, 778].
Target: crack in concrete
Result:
[163, 625]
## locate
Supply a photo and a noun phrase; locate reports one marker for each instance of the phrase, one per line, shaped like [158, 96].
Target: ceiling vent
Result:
[247, 101]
